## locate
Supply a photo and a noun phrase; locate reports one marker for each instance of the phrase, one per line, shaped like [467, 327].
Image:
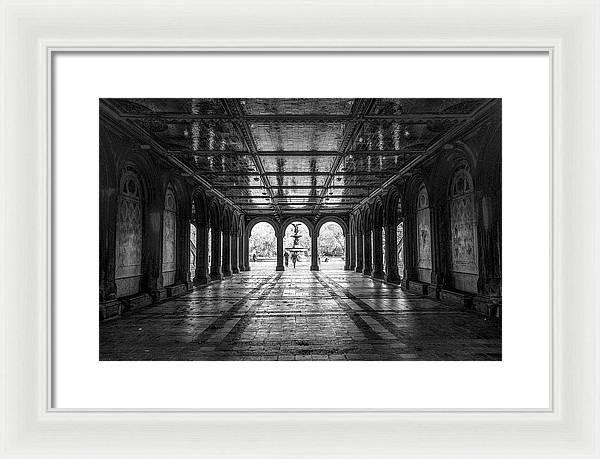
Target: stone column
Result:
[279, 266]
[241, 259]
[246, 251]
[410, 249]
[226, 253]
[359, 252]
[153, 242]
[347, 251]
[201, 277]
[352, 254]
[215, 269]
[377, 254]
[391, 255]
[367, 255]
[235, 265]
[314, 252]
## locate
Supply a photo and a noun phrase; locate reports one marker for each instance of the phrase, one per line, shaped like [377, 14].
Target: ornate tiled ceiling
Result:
[294, 156]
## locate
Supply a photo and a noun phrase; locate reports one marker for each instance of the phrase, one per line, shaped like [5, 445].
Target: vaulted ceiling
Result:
[295, 156]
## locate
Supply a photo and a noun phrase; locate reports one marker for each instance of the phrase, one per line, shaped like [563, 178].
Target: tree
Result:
[331, 240]
[262, 241]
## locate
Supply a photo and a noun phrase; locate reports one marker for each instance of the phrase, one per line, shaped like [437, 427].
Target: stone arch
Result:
[200, 214]
[214, 216]
[257, 220]
[304, 220]
[464, 246]
[130, 232]
[331, 218]
[170, 244]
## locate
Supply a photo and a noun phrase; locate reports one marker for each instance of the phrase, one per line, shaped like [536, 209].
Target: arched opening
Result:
[193, 251]
[129, 237]
[301, 258]
[463, 231]
[332, 246]
[262, 246]
[169, 262]
[383, 248]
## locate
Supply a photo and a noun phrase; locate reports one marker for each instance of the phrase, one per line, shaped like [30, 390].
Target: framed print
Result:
[331, 230]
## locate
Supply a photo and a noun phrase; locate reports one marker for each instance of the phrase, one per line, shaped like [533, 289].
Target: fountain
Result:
[296, 247]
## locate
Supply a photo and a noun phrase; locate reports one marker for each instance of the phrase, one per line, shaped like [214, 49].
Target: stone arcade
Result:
[415, 185]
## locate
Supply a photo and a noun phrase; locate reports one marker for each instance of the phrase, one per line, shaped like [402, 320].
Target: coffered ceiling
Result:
[295, 156]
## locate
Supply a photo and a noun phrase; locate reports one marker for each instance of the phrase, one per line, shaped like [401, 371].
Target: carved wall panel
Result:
[463, 227]
[169, 238]
[129, 239]
[400, 247]
[424, 236]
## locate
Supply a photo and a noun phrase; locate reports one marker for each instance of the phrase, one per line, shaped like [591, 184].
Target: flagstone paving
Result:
[300, 315]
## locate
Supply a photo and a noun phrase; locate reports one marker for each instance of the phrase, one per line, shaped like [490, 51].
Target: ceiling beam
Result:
[201, 153]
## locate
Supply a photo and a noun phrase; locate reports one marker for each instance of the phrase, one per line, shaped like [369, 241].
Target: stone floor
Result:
[300, 315]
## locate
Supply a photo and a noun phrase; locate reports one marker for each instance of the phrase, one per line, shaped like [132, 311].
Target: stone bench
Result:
[458, 298]
[418, 287]
[176, 290]
[110, 308]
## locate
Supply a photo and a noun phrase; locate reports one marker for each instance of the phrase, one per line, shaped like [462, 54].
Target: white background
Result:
[521, 380]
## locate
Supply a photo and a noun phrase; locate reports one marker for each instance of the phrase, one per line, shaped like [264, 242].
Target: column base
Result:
[199, 281]
[314, 267]
[110, 308]
[393, 279]
[215, 276]
[226, 273]
[367, 271]
[279, 268]
[235, 271]
[158, 294]
[358, 269]
[378, 275]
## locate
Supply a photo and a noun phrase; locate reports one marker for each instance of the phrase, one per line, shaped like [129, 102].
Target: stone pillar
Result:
[241, 259]
[279, 266]
[226, 253]
[153, 247]
[246, 251]
[391, 255]
[359, 252]
[410, 249]
[367, 256]
[314, 252]
[201, 277]
[377, 254]
[235, 265]
[215, 250]
[352, 254]
[347, 251]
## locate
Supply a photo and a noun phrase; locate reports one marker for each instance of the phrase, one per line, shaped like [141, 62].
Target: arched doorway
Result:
[129, 237]
[463, 228]
[169, 261]
[303, 257]
[332, 246]
[262, 246]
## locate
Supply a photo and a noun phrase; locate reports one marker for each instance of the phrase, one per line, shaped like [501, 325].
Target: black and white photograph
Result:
[300, 229]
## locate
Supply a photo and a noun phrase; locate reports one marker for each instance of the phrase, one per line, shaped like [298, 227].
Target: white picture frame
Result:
[32, 31]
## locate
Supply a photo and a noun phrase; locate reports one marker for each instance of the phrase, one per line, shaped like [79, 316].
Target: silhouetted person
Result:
[294, 259]
[254, 257]
[287, 258]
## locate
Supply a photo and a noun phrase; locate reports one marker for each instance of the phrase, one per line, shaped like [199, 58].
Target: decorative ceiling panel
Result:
[375, 162]
[397, 136]
[174, 106]
[298, 180]
[297, 136]
[372, 180]
[297, 106]
[296, 192]
[221, 163]
[426, 106]
[296, 163]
